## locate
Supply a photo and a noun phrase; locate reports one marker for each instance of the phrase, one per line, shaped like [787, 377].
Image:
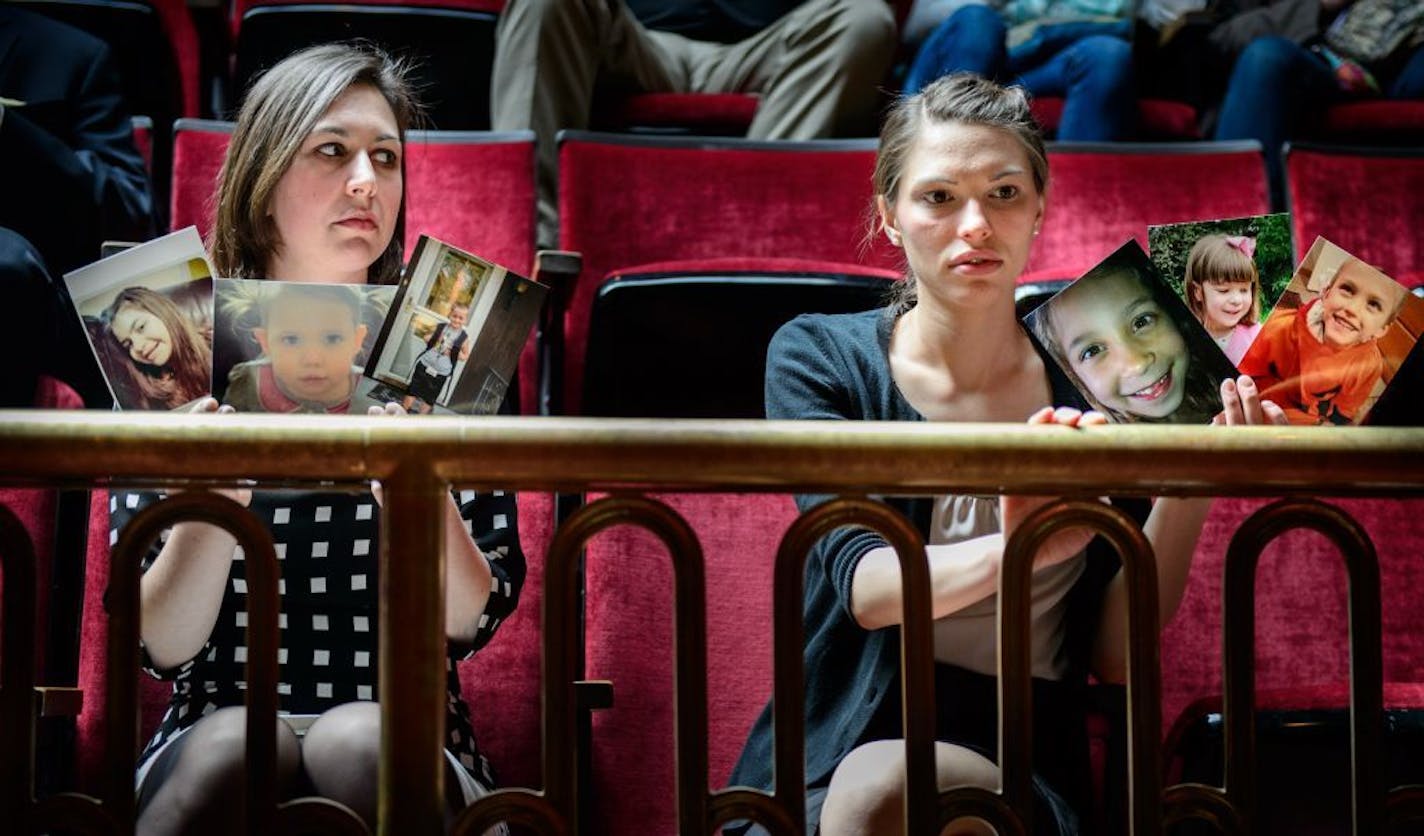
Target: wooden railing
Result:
[416, 461]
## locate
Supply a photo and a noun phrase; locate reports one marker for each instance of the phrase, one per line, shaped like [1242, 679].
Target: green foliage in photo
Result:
[1170, 244]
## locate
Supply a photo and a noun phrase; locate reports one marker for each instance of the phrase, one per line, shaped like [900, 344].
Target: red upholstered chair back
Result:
[473, 189]
[35, 508]
[1369, 201]
[630, 200]
[238, 8]
[503, 682]
[1101, 194]
[1301, 611]
[629, 640]
[198, 149]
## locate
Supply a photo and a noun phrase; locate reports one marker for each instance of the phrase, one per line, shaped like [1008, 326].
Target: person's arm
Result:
[87, 181]
[1172, 528]
[181, 592]
[465, 345]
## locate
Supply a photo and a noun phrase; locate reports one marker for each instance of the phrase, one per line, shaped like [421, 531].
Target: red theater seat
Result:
[1101, 194]
[1369, 201]
[637, 200]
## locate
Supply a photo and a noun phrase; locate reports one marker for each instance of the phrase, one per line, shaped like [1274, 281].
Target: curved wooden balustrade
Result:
[417, 459]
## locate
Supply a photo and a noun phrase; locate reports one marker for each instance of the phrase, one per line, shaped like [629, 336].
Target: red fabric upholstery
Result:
[143, 140]
[721, 114]
[198, 149]
[626, 201]
[239, 8]
[178, 25]
[1156, 118]
[1371, 202]
[1382, 121]
[503, 682]
[1101, 194]
[1301, 636]
[35, 509]
[629, 637]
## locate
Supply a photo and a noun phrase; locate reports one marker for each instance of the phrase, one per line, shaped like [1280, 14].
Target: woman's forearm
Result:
[467, 578]
[181, 593]
[960, 574]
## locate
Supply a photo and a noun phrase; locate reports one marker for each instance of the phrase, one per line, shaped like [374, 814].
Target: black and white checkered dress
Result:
[326, 547]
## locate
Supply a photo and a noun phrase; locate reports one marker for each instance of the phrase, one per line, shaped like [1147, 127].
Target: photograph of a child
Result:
[455, 335]
[293, 346]
[1130, 345]
[148, 313]
[1334, 340]
[1227, 271]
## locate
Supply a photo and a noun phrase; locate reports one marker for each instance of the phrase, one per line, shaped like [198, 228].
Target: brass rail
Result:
[417, 459]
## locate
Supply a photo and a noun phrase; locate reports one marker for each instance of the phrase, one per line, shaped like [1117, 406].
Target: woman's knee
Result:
[1106, 59]
[210, 760]
[867, 790]
[346, 737]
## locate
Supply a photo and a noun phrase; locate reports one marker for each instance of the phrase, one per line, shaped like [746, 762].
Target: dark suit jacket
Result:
[73, 177]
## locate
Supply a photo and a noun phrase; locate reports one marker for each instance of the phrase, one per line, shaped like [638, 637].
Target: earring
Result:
[893, 235]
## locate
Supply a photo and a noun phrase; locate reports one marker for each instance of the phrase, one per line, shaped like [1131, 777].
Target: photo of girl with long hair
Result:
[1130, 345]
[148, 312]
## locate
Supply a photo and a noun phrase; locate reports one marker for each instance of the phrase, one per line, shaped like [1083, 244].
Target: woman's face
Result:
[142, 335]
[1123, 346]
[1224, 304]
[335, 207]
[966, 210]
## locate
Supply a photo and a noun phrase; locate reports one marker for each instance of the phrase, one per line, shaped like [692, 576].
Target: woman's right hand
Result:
[242, 496]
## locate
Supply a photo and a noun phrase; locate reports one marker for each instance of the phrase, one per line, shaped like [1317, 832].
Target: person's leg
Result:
[1409, 84]
[548, 55]
[1094, 77]
[818, 69]
[969, 40]
[868, 788]
[342, 752]
[197, 782]
[1270, 85]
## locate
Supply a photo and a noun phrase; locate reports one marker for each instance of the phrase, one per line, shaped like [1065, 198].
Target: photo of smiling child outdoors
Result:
[293, 347]
[1130, 345]
[1334, 340]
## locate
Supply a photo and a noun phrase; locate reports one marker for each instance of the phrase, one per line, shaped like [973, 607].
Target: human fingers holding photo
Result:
[390, 408]
[1242, 403]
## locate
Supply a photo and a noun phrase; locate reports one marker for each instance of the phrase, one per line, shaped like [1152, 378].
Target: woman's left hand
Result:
[1014, 509]
[391, 408]
[1242, 404]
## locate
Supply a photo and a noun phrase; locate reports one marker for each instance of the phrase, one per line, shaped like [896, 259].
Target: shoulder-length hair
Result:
[187, 375]
[279, 112]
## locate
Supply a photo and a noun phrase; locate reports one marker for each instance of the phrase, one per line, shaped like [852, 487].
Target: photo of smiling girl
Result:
[1130, 344]
[148, 312]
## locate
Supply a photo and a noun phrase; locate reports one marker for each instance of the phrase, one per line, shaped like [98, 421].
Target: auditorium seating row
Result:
[693, 251]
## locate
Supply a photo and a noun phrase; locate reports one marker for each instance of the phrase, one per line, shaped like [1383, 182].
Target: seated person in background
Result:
[448, 345]
[73, 180]
[1294, 55]
[817, 65]
[1320, 361]
[319, 137]
[960, 181]
[1080, 50]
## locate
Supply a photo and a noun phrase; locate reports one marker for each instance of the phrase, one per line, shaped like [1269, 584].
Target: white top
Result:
[968, 638]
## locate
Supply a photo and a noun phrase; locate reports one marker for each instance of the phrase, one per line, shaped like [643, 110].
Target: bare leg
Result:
[341, 753]
[868, 788]
[197, 783]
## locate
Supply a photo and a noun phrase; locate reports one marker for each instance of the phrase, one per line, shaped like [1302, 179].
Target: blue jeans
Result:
[1088, 64]
[1274, 81]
